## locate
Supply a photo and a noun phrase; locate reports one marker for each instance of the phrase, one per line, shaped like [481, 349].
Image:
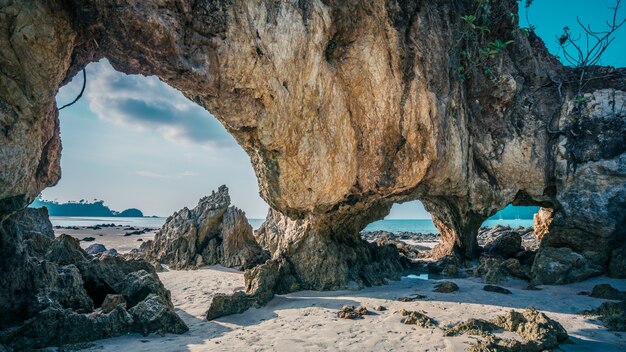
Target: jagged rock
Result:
[380, 308]
[495, 270]
[446, 287]
[617, 262]
[352, 312]
[607, 291]
[262, 281]
[95, 249]
[112, 252]
[612, 314]
[562, 266]
[497, 289]
[211, 233]
[534, 327]
[466, 147]
[155, 314]
[111, 301]
[49, 294]
[541, 221]
[66, 250]
[506, 244]
[472, 326]
[418, 318]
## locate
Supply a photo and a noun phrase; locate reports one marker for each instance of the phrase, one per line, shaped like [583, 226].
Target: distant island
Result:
[511, 212]
[84, 208]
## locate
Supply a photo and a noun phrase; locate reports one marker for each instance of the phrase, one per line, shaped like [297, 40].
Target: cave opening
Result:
[409, 227]
[510, 231]
[135, 151]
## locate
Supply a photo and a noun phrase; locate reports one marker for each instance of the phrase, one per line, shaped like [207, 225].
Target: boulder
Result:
[617, 262]
[211, 233]
[506, 244]
[607, 291]
[562, 266]
[612, 314]
[417, 318]
[497, 289]
[352, 312]
[95, 249]
[111, 301]
[156, 314]
[446, 287]
[49, 294]
[534, 327]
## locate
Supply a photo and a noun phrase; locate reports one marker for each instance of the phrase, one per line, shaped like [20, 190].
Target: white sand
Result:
[110, 237]
[306, 321]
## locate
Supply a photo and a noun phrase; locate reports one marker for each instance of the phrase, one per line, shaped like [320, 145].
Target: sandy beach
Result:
[307, 320]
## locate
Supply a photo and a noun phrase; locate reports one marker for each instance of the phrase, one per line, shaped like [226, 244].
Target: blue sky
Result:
[133, 141]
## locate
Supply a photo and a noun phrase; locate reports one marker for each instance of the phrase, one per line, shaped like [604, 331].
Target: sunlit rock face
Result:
[344, 107]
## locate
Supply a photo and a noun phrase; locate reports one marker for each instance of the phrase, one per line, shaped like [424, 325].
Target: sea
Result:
[391, 225]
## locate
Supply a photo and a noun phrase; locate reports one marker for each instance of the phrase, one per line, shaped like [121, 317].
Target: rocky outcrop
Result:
[53, 293]
[373, 103]
[211, 233]
[562, 266]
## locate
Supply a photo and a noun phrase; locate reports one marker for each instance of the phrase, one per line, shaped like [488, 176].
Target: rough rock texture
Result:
[53, 293]
[607, 291]
[505, 245]
[418, 318]
[534, 327]
[211, 233]
[562, 266]
[612, 314]
[496, 270]
[344, 107]
[617, 263]
[539, 333]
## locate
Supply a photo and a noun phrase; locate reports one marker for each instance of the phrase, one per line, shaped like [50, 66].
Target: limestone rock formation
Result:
[562, 266]
[211, 233]
[374, 102]
[53, 293]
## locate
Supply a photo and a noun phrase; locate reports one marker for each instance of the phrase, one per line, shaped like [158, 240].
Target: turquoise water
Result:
[414, 225]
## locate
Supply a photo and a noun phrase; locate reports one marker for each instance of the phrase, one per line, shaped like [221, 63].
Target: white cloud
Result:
[151, 174]
[187, 173]
[147, 103]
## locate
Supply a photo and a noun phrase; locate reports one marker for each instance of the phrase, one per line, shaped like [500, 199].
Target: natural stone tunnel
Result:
[344, 107]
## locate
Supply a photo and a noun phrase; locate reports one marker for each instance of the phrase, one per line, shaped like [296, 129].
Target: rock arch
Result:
[344, 107]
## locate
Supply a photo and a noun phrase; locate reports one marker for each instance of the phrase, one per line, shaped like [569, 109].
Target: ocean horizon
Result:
[391, 225]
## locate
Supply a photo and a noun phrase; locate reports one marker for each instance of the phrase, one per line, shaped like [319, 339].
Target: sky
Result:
[133, 141]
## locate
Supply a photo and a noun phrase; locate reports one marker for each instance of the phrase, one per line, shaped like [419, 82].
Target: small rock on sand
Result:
[497, 289]
[350, 312]
[446, 287]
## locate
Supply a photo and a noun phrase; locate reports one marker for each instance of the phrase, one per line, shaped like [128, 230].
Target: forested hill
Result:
[83, 208]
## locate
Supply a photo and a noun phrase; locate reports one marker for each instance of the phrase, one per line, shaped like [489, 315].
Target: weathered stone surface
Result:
[607, 291]
[417, 318]
[495, 270]
[472, 326]
[352, 312]
[534, 327]
[612, 314]
[617, 263]
[446, 287]
[506, 244]
[95, 249]
[50, 289]
[368, 109]
[562, 266]
[542, 221]
[111, 301]
[497, 289]
[211, 233]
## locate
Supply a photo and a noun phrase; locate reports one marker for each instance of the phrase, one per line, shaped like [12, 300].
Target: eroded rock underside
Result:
[211, 233]
[52, 292]
[344, 108]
